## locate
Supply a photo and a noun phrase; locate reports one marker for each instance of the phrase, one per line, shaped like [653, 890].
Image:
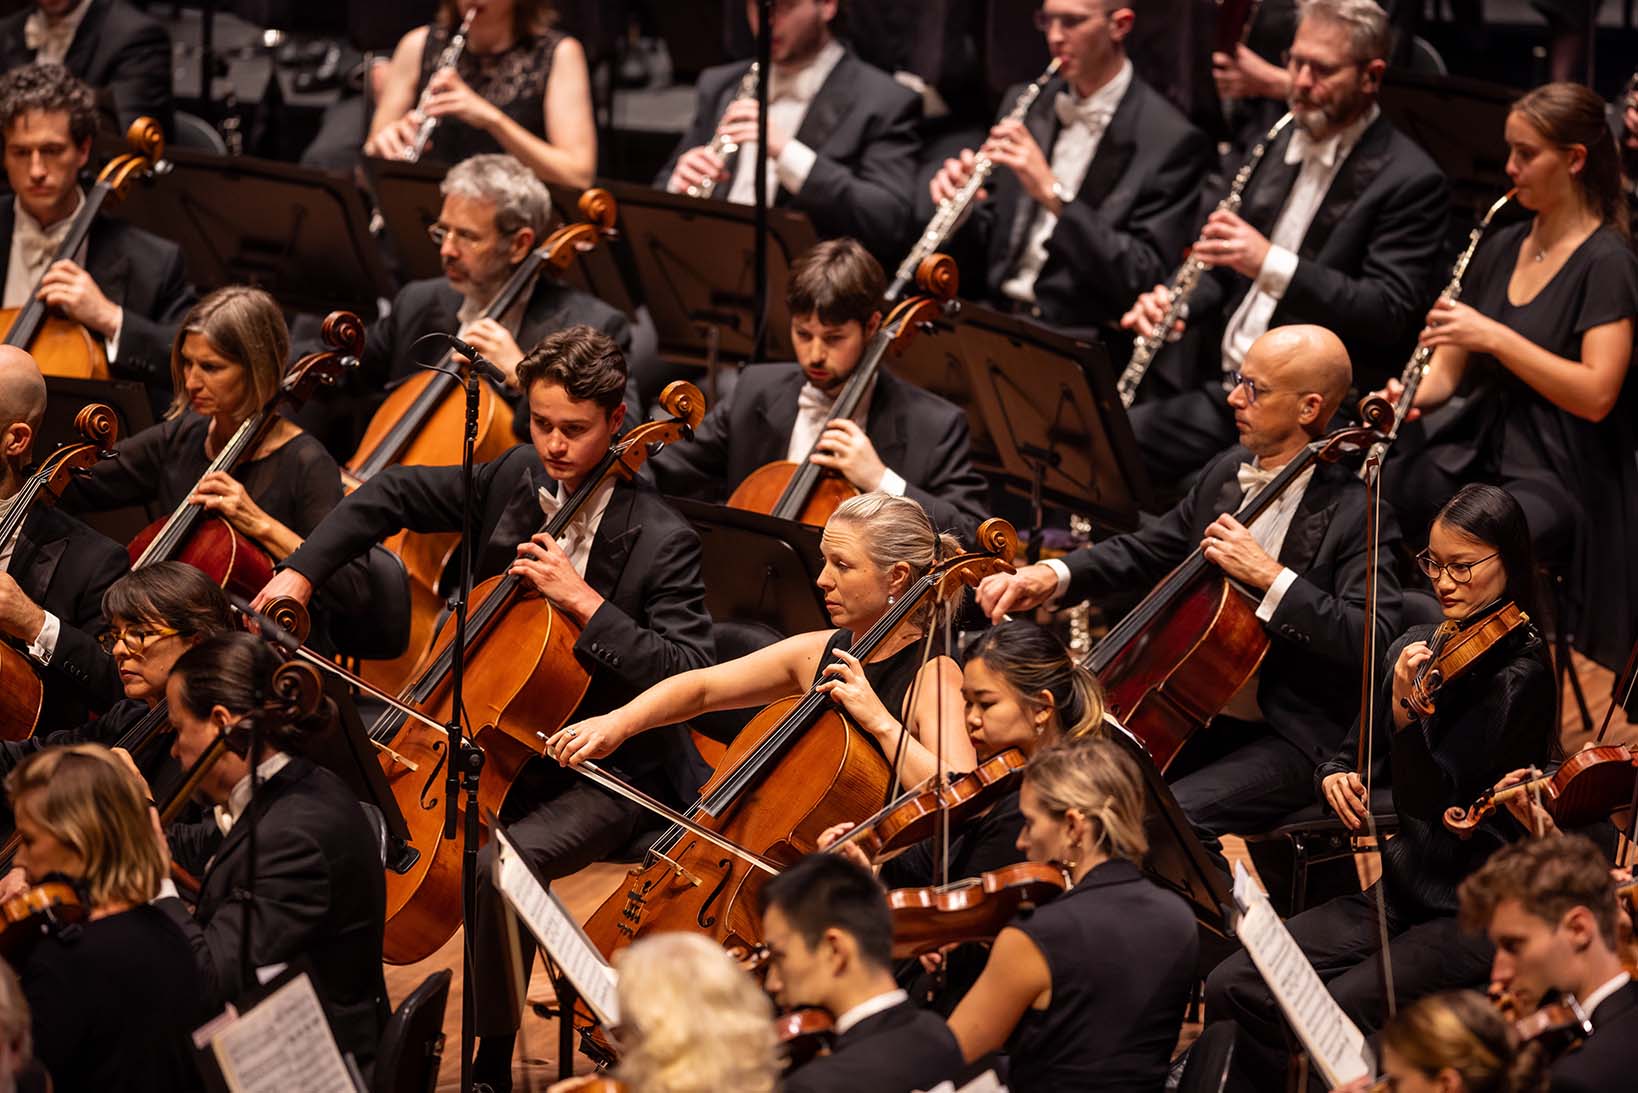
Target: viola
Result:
[61, 346]
[36, 912]
[806, 492]
[1456, 648]
[915, 816]
[803, 1034]
[1586, 787]
[209, 543]
[973, 909]
[423, 423]
[522, 682]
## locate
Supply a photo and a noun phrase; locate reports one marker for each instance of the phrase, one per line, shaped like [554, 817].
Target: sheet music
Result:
[281, 1043]
[557, 931]
[1333, 1041]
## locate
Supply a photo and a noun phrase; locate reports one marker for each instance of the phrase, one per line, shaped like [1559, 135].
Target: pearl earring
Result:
[890, 601]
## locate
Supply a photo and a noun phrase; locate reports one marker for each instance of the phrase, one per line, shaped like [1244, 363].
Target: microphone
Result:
[449, 342]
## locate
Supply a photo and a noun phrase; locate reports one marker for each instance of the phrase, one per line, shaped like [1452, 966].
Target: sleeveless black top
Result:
[514, 80]
[890, 678]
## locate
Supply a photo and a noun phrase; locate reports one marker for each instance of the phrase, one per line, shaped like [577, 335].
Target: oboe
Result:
[449, 58]
[953, 208]
[1187, 276]
[721, 146]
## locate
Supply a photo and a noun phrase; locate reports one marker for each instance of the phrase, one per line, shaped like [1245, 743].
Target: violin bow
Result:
[1368, 685]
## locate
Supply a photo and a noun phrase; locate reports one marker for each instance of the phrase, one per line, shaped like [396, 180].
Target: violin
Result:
[973, 909]
[806, 492]
[36, 912]
[20, 688]
[61, 346]
[1455, 648]
[423, 423]
[915, 816]
[804, 1033]
[1586, 787]
[209, 543]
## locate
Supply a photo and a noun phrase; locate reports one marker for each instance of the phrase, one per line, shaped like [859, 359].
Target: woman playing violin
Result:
[875, 547]
[115, 997]
[1451, 1042]
[1087, 991]
[1494, 717]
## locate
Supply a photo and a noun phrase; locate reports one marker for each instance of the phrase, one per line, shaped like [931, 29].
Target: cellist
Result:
[627, 572]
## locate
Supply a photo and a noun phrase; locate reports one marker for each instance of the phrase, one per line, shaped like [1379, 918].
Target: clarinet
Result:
[447, 59]
[1187, 276]
[721, 145]
[953, 208]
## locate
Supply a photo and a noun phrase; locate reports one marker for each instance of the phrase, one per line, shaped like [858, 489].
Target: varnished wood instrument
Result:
[522, 680]
[61, 346]
[1586, 787]
[973, 909]
[209, 543]
[916, 815]
[36, 912]
[806, 492]
[423, 423]
[1455, 648]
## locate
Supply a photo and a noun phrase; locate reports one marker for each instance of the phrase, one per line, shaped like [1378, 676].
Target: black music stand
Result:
[65, 398]
[301, 234]
[346, 751]
[758, 568]
[1042, 409]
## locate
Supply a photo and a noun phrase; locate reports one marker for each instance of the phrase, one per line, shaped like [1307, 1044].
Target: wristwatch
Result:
[1061, 192]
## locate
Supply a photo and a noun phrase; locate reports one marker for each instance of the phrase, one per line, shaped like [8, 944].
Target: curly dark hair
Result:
[52, 88]
[582, 360]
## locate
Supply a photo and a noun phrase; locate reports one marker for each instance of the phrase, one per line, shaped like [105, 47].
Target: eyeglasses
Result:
[1253, 388]
[1460, 572]
[438, 231]
[1068, 20]
[135, 638]
[1321, 71]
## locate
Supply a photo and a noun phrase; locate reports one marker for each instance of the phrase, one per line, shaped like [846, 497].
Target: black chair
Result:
[1561, 627]
[412, 1045]
[1317, 836]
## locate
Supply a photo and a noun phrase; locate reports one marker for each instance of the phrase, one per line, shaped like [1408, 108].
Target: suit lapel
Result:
[1018, 211]
[1363, 164]
[519, 519]
[612, 544]
[777, 407]
[829, 106]
[1270, 185]
[270, 790]
[887, 427]
[85, 37]
[1115, 149]
[8, 223]
[109, 268]
[34, 562]
[1308, 523]
[544, 311]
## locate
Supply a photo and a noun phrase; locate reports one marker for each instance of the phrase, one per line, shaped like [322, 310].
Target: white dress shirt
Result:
[790, 93]
[32, 250]
[870, 1008]
[1593, 1000]
[1321, 162]
[813, 407]
[44, 644]
[1083, 122]
[239, 796]
[577, 537]
[51, 38]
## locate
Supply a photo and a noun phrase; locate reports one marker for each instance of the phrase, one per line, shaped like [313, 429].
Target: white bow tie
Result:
[550, 504]
[39, 31]
[1072, 110]
[1303, 147]
[1252, 478]
[40, 247]
[812, 402]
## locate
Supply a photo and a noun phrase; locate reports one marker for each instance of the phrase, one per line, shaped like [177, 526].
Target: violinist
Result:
[127, 286]
[1088, 990]
[830, 944]
[902, 440]
[114, 998]
[54, 574]
[1452, 1042]
[627, 572]
[315, 871]
[1492, 718]
[1305, 563]
[1539, 348]
[1548, 905]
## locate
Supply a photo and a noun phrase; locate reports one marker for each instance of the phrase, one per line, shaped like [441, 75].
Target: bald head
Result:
[22, 389]
[1309, 359]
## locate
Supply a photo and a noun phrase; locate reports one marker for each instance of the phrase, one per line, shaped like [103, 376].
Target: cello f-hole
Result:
[429, 789]
[705, 920]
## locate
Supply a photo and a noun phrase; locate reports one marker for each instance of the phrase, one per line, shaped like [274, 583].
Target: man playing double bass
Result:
[1303, 562]
[627, 572]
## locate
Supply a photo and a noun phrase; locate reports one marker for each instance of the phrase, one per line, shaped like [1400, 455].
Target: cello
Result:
[529, 682]
[209, 543]
[61, 346]
[1177, 658]
[20, 688]
[806, 492]
[423, 422]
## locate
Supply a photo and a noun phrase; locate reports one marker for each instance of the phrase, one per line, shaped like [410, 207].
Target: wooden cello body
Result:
[422, 423]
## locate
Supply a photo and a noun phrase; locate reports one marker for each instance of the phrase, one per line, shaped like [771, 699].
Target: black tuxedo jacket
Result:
[1367, 269]
[65, 567]
[918, 435]
[1308, 688]
[1126, 228]
[320, 895]
[144, 275]
[895, 1051]
[117, 49]
[645, 562]
[862, 126]
[1608, 1058]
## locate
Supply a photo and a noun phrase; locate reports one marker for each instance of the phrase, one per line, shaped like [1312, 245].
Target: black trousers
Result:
[1179, 434]
[1428, 954]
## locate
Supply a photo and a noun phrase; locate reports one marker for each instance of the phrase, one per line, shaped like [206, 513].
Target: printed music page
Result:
[1333, 1041]
[281, 1043]
[557, 931]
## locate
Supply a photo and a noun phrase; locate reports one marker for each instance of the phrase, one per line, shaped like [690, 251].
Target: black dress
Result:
[890, 678]
[113, 1003]
[514, 80]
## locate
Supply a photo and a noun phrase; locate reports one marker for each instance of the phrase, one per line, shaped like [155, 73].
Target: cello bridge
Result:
[677, 869]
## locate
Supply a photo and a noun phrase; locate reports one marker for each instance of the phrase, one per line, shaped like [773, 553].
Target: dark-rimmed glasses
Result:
[1460, 572]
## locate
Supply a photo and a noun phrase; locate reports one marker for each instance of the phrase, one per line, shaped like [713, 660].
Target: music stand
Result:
[1042, 410]
[65, 398]
[347, 753]
[758, 568]
[300, 233]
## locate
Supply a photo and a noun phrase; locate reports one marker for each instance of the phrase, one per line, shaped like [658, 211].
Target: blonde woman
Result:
[115, 998]
[1453, 1042]
[875, 547]
[18, 1071]
[1088, 991]
[690, 1021]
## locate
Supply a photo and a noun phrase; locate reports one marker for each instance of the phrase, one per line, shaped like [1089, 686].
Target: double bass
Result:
[209, 543]
[522, 680]
[806, 492]
[61, 346]
[422, 423]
